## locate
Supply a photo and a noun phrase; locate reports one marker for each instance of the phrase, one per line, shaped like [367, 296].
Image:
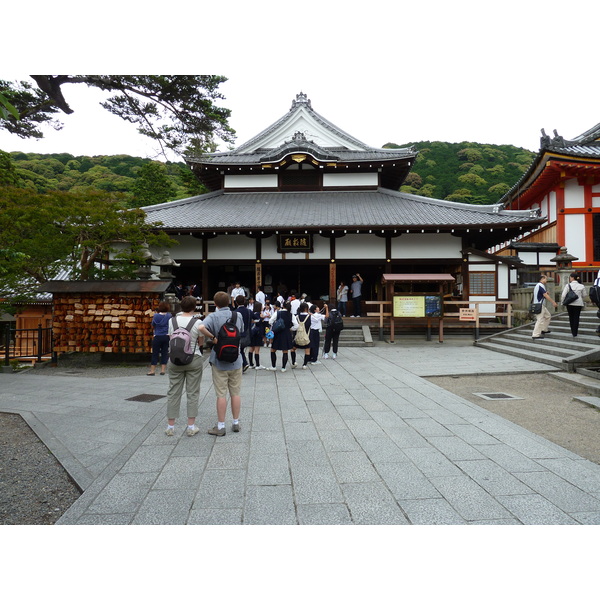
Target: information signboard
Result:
[409, 306]
[433, 306]
[417, 306]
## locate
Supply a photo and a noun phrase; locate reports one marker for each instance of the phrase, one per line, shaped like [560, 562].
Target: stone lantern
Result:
[145, 270]
[166, 264]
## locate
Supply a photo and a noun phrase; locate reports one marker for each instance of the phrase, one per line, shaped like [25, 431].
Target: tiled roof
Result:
[374, 154]
[250, 152]
[374, 208]
[585, 146]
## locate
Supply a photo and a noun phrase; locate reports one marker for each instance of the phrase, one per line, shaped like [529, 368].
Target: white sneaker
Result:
[283, 370]
[334, 355]
[193, 430]
[316, 362]
[259, 367]
[294, 365]
[326, 356]
[264, 345]
[304, 367]
[271, 369]
[170, 431]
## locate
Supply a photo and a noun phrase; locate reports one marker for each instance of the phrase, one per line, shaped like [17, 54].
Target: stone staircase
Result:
[559, 348]
[354, 335]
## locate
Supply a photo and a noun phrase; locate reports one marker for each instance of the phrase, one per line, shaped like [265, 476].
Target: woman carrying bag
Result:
[574, 289]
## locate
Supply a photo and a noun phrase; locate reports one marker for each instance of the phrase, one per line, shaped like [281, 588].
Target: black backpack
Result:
[595, 295]
[227, 347]
[180, 343]
[335, 321]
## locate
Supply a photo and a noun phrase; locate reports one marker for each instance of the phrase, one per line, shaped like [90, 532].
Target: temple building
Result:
[563, 185]
[304, 205]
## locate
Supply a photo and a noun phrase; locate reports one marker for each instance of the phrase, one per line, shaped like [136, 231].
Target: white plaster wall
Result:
[231, 247]
[187, 248]
[349, 179]
[573, 194]
[251, 181]
[575, 235]
[268, 248]
[544, 207]
[480, 267]
[354, 245]
[503, 281]
[426, 245]
[473, 258]
[596, 189]
[552, 207]
[545, 258]
[596, 201]
[321, 248]
[483, 308]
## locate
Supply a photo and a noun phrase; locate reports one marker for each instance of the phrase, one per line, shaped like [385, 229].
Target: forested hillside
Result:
[465, 172]
[141, 181]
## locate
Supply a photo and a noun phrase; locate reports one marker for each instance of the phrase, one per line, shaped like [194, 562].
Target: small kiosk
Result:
[417, 304]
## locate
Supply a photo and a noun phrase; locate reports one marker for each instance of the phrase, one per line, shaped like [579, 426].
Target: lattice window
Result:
[482, 283]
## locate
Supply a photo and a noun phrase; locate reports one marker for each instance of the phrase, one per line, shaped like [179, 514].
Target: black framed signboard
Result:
[294, 243]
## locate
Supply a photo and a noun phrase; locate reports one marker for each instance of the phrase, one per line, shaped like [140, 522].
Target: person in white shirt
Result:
[260, 296]
[294, 305]
[575, 307]
[316, 326]
[543, 318]
[238, 290]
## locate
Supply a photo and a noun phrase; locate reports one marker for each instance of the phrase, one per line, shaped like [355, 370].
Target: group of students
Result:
[254, 326]
[262, 331]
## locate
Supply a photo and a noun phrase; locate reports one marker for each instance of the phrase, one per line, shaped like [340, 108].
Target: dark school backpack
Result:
[335, 321]
[180, 343]
[227, 347]
[595, 295]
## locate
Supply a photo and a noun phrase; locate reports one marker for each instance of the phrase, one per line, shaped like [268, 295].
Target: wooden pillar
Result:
[332, 283]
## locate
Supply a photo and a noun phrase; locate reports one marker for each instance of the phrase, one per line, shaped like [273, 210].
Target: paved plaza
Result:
[363, 439]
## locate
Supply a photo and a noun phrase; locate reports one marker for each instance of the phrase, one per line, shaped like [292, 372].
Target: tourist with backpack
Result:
[281, 324]
[333, 327]
[242, 309]
[185, 365]
[225, 328]
[574, 306]
[302, 335]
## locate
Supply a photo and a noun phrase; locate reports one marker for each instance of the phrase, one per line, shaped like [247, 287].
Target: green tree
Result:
[78, 232]
[178, 111]
[8, 171]
[152, 186]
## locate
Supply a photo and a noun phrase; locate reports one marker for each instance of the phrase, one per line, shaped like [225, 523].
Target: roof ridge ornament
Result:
[301, 98]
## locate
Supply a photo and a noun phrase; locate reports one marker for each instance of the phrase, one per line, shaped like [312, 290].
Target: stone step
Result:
[574, 345]
[554, 361]
[537, 346]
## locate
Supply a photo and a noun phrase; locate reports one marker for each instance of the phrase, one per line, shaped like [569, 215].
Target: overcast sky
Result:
[446, 71]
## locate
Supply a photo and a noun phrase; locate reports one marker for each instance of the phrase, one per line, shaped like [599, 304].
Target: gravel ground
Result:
[547, 407]
[36, 490]
[34, 487]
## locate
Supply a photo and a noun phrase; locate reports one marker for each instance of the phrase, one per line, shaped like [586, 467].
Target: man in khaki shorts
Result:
[226, 376]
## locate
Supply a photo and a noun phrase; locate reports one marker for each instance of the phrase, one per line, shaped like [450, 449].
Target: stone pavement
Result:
[358, 440]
